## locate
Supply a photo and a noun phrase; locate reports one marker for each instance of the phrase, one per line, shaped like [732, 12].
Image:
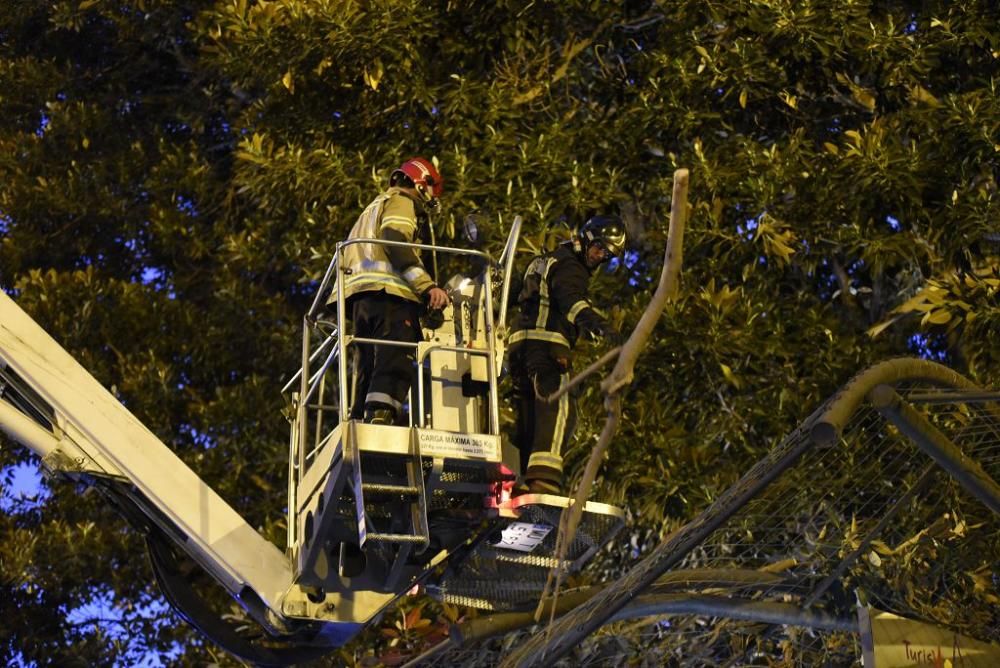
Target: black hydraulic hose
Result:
[190, 605]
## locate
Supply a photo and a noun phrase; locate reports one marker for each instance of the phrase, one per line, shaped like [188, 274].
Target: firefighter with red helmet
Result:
[554, 310]
[386, 288]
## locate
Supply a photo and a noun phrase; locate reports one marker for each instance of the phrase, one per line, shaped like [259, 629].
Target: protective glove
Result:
[606, 333]
[435, 301]
[433, 318]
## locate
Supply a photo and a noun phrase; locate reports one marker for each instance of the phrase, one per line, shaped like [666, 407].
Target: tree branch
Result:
[657, 604]
[583, 375]
[570, 52]
[620, 377]
[843, 280]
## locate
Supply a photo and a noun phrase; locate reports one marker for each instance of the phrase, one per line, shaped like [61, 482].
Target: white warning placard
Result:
[453, 444]
[523, 536]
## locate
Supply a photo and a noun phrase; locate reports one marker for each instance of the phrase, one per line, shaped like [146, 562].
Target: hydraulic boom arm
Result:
[52, 405]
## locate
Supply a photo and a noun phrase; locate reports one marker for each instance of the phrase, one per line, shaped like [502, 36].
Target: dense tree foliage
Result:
[174, 175]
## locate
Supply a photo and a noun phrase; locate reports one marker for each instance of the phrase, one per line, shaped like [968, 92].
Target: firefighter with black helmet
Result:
[555, 310]
[387, 286]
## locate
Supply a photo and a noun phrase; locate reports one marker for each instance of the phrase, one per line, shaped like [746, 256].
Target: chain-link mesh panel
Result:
[868, 515]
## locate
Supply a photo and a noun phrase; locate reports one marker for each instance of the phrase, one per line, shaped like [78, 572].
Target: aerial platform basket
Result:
[460, 535]
[379, 508]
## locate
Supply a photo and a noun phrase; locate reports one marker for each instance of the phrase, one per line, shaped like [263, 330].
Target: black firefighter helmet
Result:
[606, 230]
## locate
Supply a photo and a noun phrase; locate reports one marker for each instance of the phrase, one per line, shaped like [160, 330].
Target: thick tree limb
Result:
[646, 605]
[656, 604]
[672, 593]
[667, 289]
[583, 375]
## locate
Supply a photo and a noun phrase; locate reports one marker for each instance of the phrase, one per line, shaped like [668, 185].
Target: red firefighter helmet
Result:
[426, 179]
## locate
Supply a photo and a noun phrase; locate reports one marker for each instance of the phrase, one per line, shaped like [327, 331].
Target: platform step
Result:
[510, 574]
[382, 488]
[395, 538]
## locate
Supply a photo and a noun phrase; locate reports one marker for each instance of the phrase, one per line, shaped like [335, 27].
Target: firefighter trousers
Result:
[384, 373]
[543, 431]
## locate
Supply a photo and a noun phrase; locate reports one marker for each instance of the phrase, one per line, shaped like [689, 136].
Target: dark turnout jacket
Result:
[554, 302]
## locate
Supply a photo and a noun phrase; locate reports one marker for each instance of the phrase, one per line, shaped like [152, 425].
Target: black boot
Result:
[379, 413]
[540, 486]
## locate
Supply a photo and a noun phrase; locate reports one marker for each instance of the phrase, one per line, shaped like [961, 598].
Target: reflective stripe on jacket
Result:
[372, 267]
[553, 300]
